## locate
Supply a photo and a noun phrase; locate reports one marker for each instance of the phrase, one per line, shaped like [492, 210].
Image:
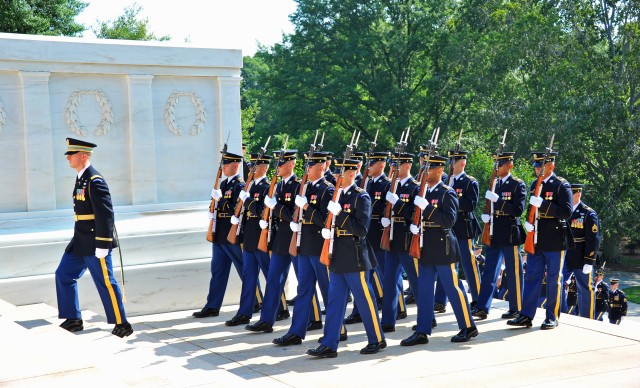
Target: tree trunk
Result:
[611, 249]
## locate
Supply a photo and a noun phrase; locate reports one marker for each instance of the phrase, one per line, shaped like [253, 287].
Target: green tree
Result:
[41, 17]
[128, 26]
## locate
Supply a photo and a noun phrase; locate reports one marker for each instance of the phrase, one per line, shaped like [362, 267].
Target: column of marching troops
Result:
[288, 208]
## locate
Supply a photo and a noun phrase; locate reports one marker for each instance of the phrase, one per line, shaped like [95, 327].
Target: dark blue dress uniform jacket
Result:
[313, 219]
[404, 208]
[377, 192]
[329, 177]
[617, 304]
[253, 209]
[226, 207]
[440, 246]
[467, 189]
[352, 251]
[91, 197]
[586, 235]
[553, 232]
[507, 226]
[602, 296]
[282, 214]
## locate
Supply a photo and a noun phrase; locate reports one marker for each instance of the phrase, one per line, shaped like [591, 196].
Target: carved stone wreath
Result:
[170, 118]
[71, 116]
[3, 117]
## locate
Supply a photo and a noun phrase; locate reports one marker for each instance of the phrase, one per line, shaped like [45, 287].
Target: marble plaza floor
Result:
[174, 349]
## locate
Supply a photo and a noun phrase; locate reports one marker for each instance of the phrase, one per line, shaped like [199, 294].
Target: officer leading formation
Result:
[351, 233]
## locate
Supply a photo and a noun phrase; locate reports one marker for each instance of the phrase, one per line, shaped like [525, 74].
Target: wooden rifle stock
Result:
[414, 249]
[486, 229]
[293, 246]
[385, 242]
[530, 242]
[233, 231]
[212, 208]
[325, 256]
[263, 243]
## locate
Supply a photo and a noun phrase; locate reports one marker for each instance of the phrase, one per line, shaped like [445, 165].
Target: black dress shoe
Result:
[314, 325]
[349, 298]
[401, 315]
[322, 352]
[510, 314]
[288, 339]
[410, 299]
[374, 348]
[465, 334]
[549, 324]
[353, 318]
[291, 302]
[388, 328]
[257, 308]
[433, 325]
[521, 321]
[206, 312]
[72, 325]
[260, 326]
[415, 339]
[439, 308]
[323, 312]
[122, 330]
[238, 320]
[479, 313]
[282, 315]
[473, 304]
[343, 337]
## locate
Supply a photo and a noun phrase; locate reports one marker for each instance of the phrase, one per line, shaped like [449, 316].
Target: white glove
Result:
[263, 224]
[391, 197]
[235, 220]
[244, 195]
[491, 196]
[385, 222]
[210, 215]
[528, 226]
[101, 253]
[535, 201]
[587, 269]
[414, 229]
[294, 226]
[486, 218]
[326, 233]
[270, 202]
[334, 208]
[420, 202]
[216, 194]
[301, 201]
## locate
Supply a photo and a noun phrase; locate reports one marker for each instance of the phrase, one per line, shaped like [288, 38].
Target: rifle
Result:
[532, 237]
[416, 240]
[319, 146]
[365, 174]
[387, 235]
[455, 151]
[487, 229]
[297, 214]
[213, 207]
[327, 248]
[234, 231]
[265, 234]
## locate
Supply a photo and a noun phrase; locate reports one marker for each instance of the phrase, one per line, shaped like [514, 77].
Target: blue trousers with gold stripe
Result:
[339, 286]
[315, 311]
[70, 269]
[252, 264]
[222, 257]
[278, 272]
[470, 267]
[586, 293]
[536, 263]
[310, 272]
[393, 264]
[494, 257]
[448, 276]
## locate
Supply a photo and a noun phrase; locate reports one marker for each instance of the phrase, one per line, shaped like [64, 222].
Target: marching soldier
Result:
[438, 256]
[602, 295]
[350, 266]
[398, 257]
[224, 253]
[554, 207]
[282, 207]
[466, 227]
[310, 271]
[253, 259]
[508, 204]
[91, 245]
[572, 296]
[328, 173]
[359, 156]
[581, 259]
[617, 303]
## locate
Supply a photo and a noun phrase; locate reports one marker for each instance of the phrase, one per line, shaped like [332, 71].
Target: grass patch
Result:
[633, 294]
